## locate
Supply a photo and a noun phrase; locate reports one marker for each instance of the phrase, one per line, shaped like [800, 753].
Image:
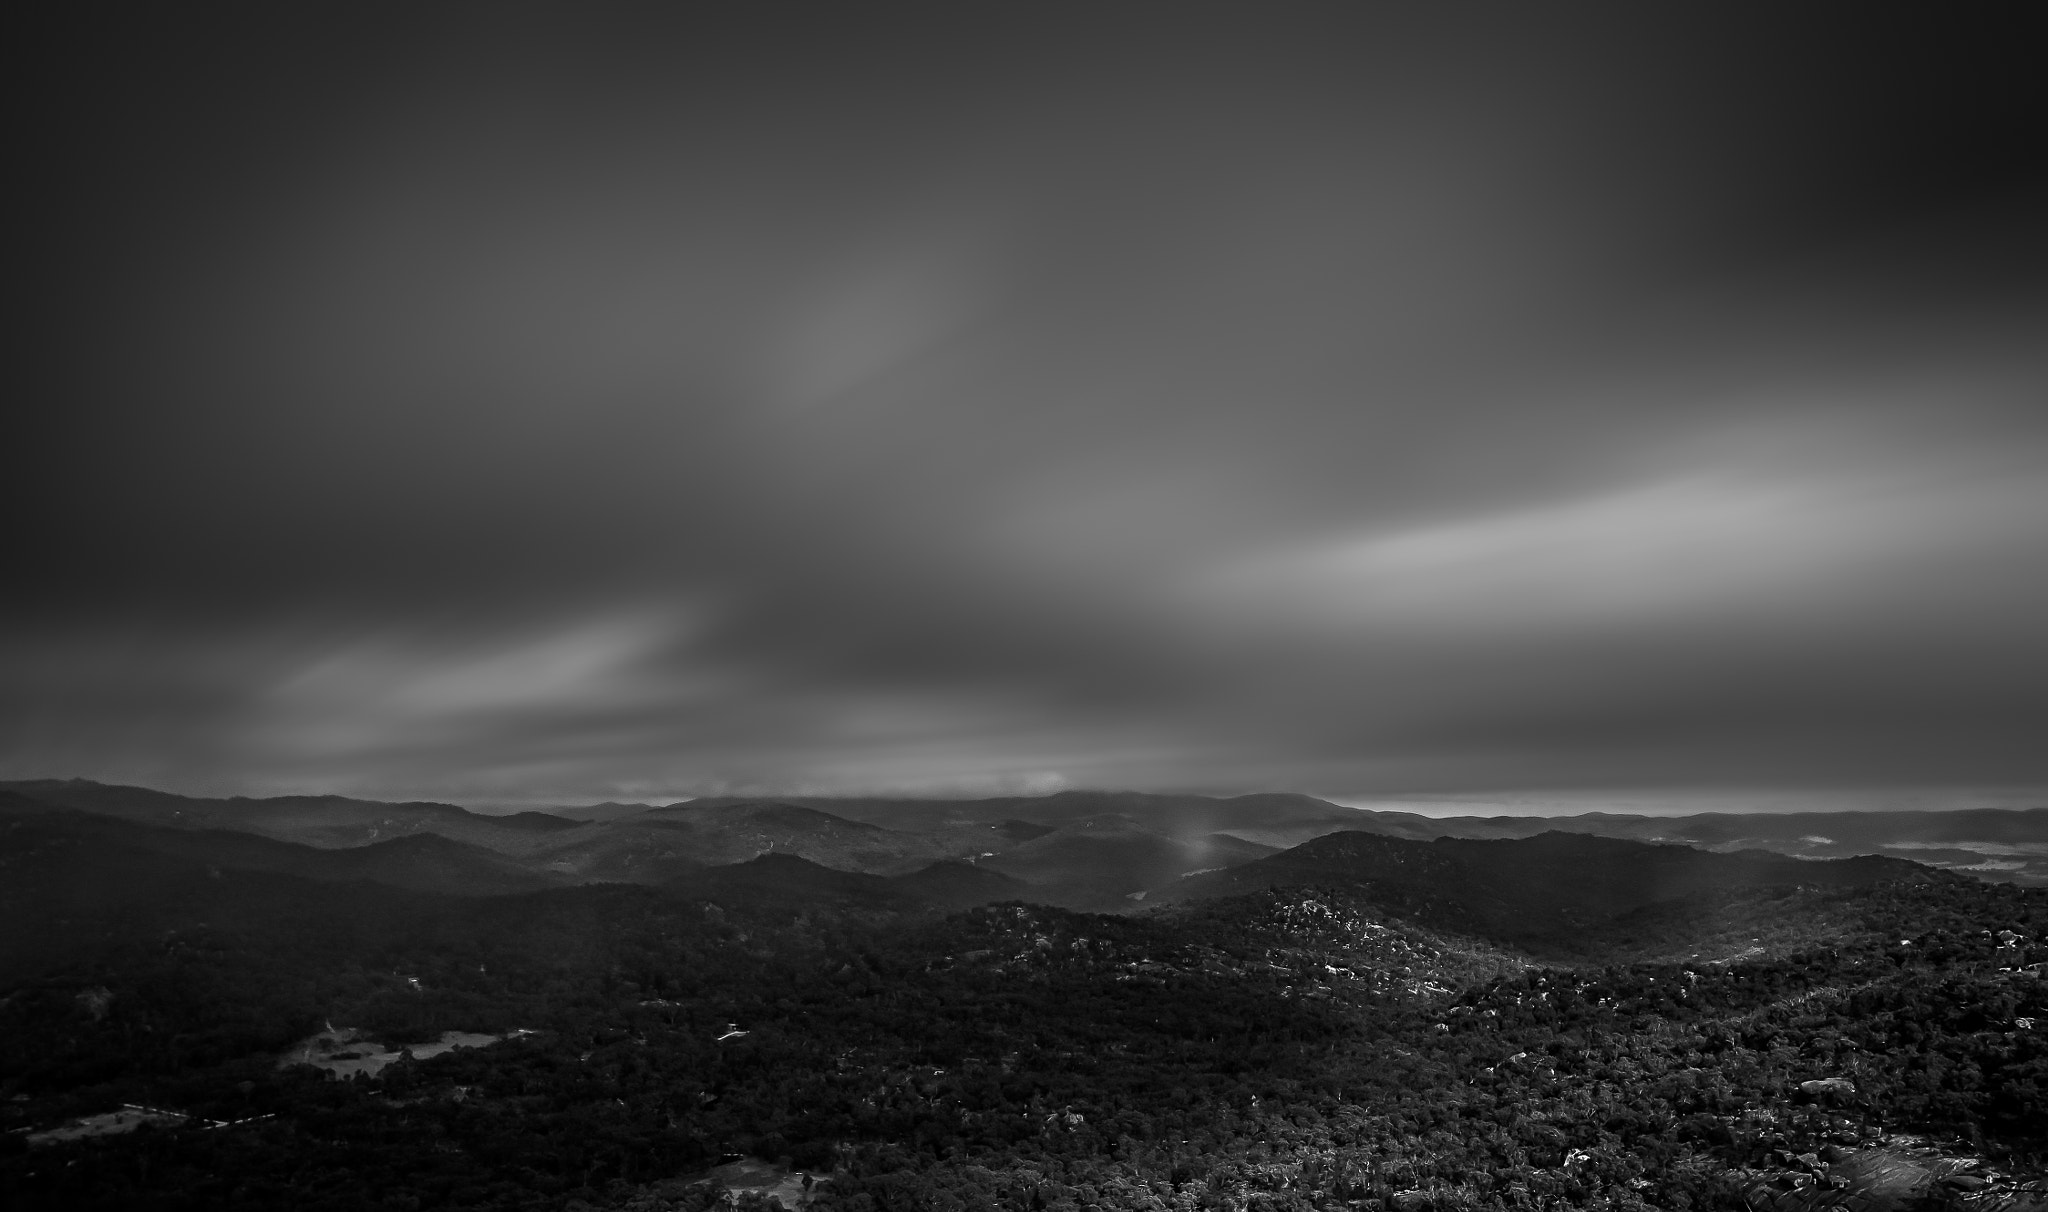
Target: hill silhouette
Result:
[1535, 892]
[1100, 850]
[783, 882]
[646, 846]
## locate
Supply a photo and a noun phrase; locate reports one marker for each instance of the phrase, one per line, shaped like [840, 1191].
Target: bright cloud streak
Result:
[1691, 545]
[397, 692]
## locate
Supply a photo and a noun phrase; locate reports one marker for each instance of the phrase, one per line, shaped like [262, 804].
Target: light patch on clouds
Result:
[1687, 545]
[871, 319]
[387, 691]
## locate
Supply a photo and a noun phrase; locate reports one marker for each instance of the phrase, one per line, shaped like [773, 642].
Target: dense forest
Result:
[1286, 1048]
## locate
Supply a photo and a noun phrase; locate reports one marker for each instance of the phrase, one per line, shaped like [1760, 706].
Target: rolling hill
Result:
[1081, 849]
[1274, 820]
[422, 862]
[1536, 892]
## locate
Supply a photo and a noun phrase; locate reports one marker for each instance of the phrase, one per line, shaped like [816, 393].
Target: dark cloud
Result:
[498, 402]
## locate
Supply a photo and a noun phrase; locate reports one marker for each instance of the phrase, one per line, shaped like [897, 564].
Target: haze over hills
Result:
[1556, 892]
[1994, 843]
[1077, 848]
[1546, 890]
[326, 821]
[72, 883]
[607, 811]
[1276, 819]
[1099, 858]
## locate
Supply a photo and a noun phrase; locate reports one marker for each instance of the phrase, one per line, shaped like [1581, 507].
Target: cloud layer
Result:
[511, 404]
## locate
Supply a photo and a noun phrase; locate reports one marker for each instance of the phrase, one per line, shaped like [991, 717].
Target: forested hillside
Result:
[1293, 1047]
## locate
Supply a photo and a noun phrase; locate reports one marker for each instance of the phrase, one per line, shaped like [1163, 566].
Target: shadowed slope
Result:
[1532, 891]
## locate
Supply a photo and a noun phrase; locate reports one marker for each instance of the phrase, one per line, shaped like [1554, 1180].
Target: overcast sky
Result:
[522, 405]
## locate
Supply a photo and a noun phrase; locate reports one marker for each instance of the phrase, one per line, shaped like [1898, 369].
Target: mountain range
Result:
[78, 854]
[1093, 849]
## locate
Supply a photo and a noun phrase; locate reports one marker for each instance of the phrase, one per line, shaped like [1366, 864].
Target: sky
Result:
[514, 404]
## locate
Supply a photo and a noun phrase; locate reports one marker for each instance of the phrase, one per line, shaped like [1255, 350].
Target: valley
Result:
[344, 1053]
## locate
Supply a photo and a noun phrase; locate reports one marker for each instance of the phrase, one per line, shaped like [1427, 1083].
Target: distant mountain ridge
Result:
[607, 811]
[1099, 850]
[325, 821]
[1560, 894]
[71, 880]
[658, 843]
[2002, 844]
[419, 862]
[1277, 820]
